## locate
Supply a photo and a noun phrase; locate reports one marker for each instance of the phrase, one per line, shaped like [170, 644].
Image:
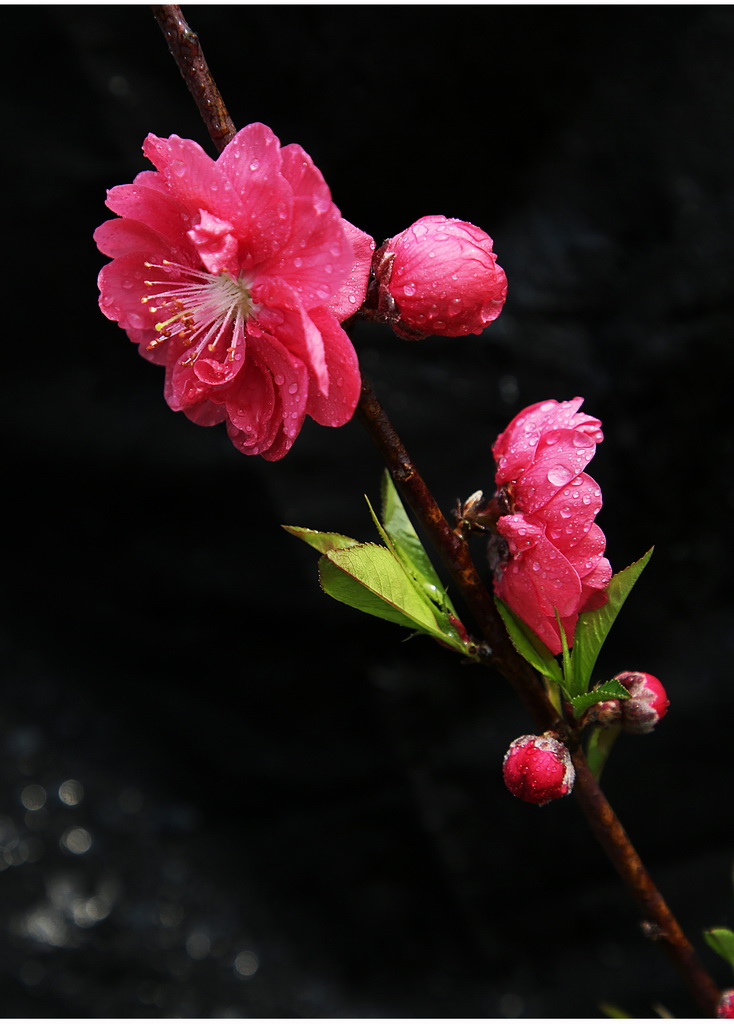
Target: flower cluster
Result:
[553, 558]
[439, 276]
[236, 275]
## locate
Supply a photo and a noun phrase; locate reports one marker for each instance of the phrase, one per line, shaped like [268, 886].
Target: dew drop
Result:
[254, 164]
[178, 168]
[279, 379]
[559, 475]
[565, 513]
[582, 440]
[535, 566]
[552, 437]
[586, 499]
[292, 388]
[328, 268]
[136, 321]
[298, 262]
[409, 289]
[127, 283]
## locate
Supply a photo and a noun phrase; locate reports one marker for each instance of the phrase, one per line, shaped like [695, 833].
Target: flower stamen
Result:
[201, 308]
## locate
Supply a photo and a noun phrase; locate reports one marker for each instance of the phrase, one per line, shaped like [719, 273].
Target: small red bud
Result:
[647, 703]
[725, 1009]
[538, 769]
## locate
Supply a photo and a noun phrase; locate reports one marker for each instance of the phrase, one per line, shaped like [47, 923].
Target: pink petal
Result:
[515, 447]
[540, 571]
[122, 235]
[352, 293]
[559, 458]
[122, 286]
[585, 557]
[266, 409]
[215, 243]
[250, 165]
[303, 176]
[569, 513]
[345, 381]
[317, 259]
[158, 210]
[283, 316]
[227, 358]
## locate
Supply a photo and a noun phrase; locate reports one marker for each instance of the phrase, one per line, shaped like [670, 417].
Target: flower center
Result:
[200, 310]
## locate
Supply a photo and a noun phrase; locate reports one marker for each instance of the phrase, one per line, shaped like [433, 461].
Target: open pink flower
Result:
[236, 274]
[554, 558]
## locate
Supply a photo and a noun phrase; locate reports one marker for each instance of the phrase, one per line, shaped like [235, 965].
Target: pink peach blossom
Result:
[236, 274]
[554, 555]
[439, 276]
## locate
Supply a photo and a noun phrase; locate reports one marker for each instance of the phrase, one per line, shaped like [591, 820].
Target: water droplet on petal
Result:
[292, 388]
[582, 440]
[178, 167]
[409, 289]
[279, 379]
[559, 475]
[254, 164]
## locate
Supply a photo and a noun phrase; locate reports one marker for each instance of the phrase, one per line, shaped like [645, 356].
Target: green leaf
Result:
[593, 627]
[370, 578]
[323, 542]
[568, 678]
[530, 646]
[409, 549]
[721, 941]
[612, 690]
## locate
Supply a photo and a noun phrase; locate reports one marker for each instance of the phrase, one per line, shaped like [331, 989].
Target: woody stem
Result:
[454, 552]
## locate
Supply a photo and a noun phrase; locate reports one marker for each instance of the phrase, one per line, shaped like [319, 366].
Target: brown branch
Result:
[189, 56]
[454, 552]
[604, 823]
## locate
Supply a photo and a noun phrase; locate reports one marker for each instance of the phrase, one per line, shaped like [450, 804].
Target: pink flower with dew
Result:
[554, 556]
[439, 276]
[236, 274]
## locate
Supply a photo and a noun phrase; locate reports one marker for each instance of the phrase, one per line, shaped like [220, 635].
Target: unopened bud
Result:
[647, 703]
[439, 276]
[538, 769]
[725, 1008]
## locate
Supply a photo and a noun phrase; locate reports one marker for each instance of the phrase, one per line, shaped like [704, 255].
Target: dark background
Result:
[287, 810]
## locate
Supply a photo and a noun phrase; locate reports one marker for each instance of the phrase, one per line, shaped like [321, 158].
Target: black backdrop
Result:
[285, 809]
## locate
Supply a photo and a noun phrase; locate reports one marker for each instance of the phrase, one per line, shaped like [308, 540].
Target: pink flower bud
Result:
[538, 769]
[725, 1009]
[647, 704]
[439, 276]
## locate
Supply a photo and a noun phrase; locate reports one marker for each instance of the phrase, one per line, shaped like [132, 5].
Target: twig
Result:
[454, 552]
[189, 56]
